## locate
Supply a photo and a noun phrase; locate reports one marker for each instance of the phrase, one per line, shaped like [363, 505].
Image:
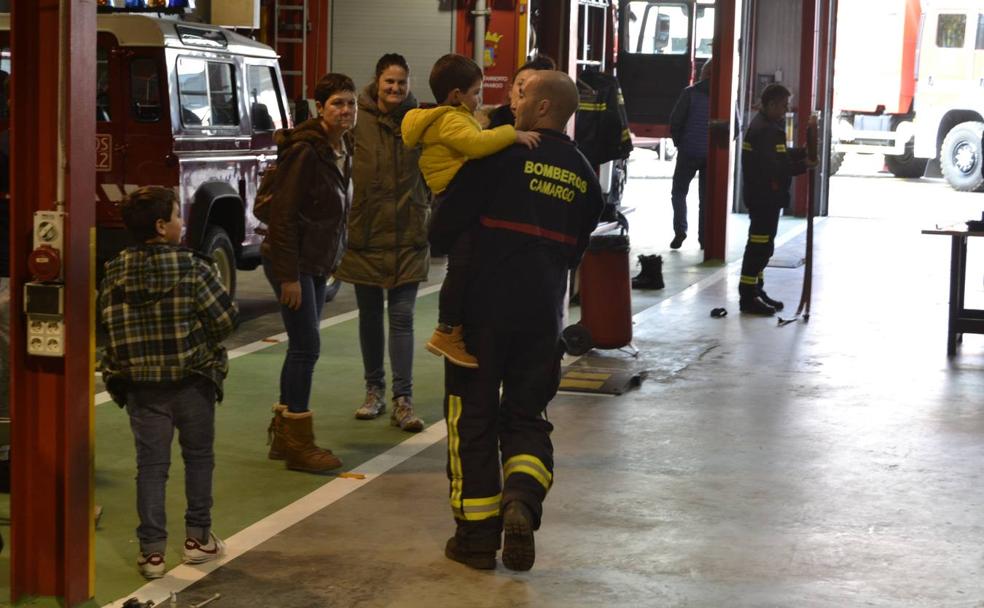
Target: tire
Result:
[331, 288]
[961, 157]
[836, 160]
[218, 246]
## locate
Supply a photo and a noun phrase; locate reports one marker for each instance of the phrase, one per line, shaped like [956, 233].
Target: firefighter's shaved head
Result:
[549, 100]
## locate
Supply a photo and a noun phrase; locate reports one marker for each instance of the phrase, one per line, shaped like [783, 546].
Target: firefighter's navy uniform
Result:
[532, 212]
[768, 168]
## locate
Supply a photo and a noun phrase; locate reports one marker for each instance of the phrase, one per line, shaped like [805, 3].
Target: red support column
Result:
[805, 97]
[51, 398]
[722, 114]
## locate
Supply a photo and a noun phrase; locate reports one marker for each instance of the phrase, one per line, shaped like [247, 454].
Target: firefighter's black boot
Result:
[755, 305]
[773, 303]
[518, 548]
[651, 275]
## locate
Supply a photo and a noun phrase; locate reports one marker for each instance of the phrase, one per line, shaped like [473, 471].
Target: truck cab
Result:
[187, 106]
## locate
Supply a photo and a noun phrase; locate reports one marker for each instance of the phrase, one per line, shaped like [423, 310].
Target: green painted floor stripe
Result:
[248, 486]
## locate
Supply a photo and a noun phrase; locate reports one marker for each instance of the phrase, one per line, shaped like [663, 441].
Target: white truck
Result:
[909, 84]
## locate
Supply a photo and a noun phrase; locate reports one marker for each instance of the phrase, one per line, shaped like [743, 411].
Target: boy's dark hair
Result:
[452, 72]
[391, 59]
[143, 207]
[773, 92]
[540, 62]
[330, 84]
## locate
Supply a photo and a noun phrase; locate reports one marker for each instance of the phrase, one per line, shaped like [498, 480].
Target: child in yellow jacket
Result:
[450, 136]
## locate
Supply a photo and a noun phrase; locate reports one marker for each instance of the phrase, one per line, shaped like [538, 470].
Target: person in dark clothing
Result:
[503, 115]
[767, 169]
[533, 212]
[306, 239]
[688, 128]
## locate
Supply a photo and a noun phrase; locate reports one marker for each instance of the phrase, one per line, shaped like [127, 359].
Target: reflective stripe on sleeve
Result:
[746, 146]
[530, 465]
[781, 148]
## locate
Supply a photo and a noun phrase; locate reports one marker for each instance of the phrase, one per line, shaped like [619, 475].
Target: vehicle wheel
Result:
[218, 246]
[577, 339]
[331, 288]
[961, 158]
[906, 164]
[836, 160]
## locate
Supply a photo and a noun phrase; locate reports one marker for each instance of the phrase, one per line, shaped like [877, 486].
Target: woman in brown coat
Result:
[387, 255]
[305, 242]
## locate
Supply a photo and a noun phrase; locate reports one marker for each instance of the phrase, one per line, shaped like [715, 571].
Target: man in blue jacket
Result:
[532, 212]
[688, 128]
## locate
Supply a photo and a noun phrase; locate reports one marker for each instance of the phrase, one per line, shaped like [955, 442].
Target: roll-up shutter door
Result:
[362, 30]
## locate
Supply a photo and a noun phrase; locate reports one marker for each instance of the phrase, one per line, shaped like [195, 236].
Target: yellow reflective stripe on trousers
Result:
[477, 509]
[454, 457]
[530, 465]
[781, 148]
[759, 238]
[746, 146]
[592, 107]
[747, 280]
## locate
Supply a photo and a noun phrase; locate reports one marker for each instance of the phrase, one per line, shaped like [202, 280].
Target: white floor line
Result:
[185, 575]
[275, 339]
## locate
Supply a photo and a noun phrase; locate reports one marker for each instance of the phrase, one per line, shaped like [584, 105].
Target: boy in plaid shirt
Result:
[166, 313]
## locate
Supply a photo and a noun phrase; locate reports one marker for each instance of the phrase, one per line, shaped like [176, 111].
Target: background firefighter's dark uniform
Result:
[767, 168]
[525, 244]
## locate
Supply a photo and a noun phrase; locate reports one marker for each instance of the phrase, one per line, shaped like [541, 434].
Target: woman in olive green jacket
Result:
[387, 254]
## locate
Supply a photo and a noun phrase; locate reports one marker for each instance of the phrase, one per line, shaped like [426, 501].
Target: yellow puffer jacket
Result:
[450, 136]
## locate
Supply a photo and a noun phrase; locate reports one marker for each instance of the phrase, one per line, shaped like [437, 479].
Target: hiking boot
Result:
[300, 451]
[479, 560]
[651, 275]
[403, 416]
[151, 565]
[518, 551]
[275, 433]
[449, 342]
[678, 240]
[197, 552]
[773, 303]
[373, 406]
[756, 306]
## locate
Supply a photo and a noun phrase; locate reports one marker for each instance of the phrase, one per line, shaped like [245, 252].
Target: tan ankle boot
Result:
[299, 449]
[275, 433]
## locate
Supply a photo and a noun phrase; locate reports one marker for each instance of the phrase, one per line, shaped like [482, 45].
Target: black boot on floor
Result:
[518, 548]
[651, 275]
[678, 239]
[773, 303]
[756, 306]
[479, 560]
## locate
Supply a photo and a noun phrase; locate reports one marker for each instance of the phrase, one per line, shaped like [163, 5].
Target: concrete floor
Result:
[830, 463]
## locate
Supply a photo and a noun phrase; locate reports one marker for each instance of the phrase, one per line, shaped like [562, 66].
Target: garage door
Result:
[362, 30]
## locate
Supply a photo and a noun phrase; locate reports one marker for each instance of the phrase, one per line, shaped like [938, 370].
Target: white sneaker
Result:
[196, 553]
[151, 565]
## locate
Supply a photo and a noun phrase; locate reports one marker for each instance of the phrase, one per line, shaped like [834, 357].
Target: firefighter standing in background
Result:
[535, 210]
[767, 171]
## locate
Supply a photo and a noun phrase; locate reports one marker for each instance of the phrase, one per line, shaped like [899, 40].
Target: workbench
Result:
[961, 320]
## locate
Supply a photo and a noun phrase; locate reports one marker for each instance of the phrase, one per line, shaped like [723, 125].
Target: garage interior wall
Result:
[363, 30]
[777, 44]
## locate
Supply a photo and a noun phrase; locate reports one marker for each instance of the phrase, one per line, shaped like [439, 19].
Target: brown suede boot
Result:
[299, 449]
[275, 433]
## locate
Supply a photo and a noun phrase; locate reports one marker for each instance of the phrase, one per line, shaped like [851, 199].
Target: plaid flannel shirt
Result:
[165, 314]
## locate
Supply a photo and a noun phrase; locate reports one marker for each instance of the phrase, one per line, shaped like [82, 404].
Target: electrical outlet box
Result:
[49, 229]
[44, 304]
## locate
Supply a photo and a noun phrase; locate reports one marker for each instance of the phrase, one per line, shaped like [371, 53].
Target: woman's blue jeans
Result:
[303, 340]
[372, 337]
